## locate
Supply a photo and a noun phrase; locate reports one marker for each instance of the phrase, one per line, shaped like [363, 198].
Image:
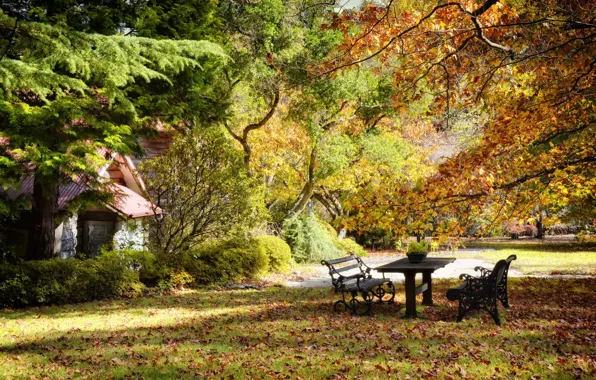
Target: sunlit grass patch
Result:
[535, 262]
[534, 245]
[282, 332]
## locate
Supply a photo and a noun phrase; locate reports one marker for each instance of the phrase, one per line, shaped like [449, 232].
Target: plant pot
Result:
[417, 258]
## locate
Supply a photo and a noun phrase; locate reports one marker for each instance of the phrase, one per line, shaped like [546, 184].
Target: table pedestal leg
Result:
[427, 295]
[410, 295]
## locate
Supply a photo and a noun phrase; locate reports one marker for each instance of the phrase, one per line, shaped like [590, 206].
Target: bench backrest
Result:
[503, 281]
[497, 275]
[338, 268]
[509, 260]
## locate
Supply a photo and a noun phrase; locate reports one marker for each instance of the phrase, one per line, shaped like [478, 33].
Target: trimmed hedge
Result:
[227, 261]
[153, 270]
[59, 281]
[278, 251]
[349, 246]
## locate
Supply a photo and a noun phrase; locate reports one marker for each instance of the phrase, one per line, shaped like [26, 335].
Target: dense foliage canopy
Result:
[403, 117]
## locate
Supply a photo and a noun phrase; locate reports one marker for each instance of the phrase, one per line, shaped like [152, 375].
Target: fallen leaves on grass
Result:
[293, 333]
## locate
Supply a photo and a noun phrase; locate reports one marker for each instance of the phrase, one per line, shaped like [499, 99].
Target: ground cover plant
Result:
[548, 332]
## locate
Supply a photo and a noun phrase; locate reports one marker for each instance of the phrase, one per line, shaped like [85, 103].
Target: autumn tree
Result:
[529, 66]
[256, 35]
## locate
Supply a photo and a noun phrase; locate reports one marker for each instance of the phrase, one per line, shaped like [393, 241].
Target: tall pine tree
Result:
[66, 94]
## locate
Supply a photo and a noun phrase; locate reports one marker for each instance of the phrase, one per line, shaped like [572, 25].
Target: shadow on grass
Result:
[277, 330]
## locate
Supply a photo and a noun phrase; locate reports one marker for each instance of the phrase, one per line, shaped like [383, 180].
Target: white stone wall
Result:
[68, 240]
[130, 235]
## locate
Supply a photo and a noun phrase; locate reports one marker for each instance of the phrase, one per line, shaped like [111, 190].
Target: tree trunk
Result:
[247, 157]
[308, 189]
[42, 232]
[540, 228]
[302, 200]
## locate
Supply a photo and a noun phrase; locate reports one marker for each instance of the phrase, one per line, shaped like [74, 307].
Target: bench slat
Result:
[347, 268]
[365, 285]
[341, 260]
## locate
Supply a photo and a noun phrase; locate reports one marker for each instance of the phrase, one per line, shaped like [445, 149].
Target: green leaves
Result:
[76, 61]
[66, 94]
[201, 182]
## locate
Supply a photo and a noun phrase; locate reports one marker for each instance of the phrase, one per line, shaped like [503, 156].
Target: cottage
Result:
[119, 221]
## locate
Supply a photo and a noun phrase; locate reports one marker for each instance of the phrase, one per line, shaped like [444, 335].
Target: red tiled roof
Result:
[66, 192]
[125, 201]
[132, 204]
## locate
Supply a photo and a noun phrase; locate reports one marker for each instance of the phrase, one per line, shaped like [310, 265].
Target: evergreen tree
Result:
[65, 94]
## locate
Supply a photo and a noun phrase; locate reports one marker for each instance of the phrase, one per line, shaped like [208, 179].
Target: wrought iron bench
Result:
[502, 293]
[481, 293]
[358, 284]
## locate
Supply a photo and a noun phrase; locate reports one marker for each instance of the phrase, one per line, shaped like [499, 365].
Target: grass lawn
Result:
[293, 333]
[534, 245]
[537, 259]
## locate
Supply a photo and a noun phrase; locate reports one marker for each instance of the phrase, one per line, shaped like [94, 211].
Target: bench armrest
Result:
[483, 271]
[465, 276]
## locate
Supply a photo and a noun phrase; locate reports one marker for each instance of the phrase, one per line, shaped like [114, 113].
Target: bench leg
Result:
[410, 295]
[427, 296]
[360, 307]
[462, 310]
[340, 306]
[502, 295]
[494, 311]
[384, 293]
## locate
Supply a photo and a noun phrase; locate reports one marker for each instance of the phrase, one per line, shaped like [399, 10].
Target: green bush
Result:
[143, 262]
[308, 239]
[346, 245]
[227, 261]
[278, 251]
[60, 281]
[349, 246]
[174, 279]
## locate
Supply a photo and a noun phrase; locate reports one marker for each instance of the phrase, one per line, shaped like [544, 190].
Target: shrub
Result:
[227, 261]
[174, 279]
[585, 237]
[346, 245]
[201, 181]
[308, 240]
[144, 262]
[434, 245]
[278, 251]
[349, 246]
[60, 281]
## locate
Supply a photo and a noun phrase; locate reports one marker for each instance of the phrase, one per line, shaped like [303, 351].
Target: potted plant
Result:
[417, 252]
